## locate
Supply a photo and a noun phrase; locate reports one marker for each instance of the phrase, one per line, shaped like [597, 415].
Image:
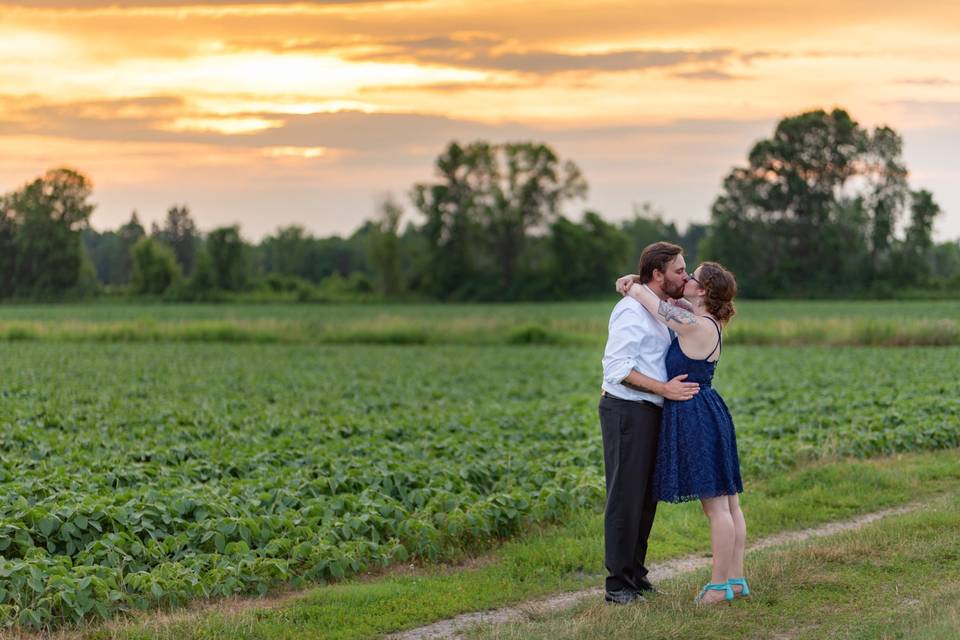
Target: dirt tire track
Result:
[452, 628]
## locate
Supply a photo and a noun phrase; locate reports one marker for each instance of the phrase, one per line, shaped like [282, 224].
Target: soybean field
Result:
[141, 473]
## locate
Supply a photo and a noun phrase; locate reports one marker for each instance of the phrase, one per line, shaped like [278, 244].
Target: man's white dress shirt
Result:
[635, 340]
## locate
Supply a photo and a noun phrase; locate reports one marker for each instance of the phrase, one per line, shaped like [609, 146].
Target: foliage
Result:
[486, 200]
[293, 251]
[110, 252]
[155, 268]
[8, 250]
[179, 232]
[385, 249]
[822, 208]
[816, 208]
[286, 252]
[228, 257]
[587, 257]
[40, 234]
[139, 476]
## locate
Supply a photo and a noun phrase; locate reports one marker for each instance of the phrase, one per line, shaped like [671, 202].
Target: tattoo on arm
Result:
[675, 313]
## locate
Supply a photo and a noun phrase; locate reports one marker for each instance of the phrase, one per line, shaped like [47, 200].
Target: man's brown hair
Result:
[655, 257]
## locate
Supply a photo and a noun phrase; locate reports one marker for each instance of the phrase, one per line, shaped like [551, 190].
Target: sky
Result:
[267, 114]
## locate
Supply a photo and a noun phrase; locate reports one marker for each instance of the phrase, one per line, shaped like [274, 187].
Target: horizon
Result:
[267, 113]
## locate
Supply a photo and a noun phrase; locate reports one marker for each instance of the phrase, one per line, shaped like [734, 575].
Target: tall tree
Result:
[451, 226]
[49, 214]
[914, 264]
[815, 208]
[129, 234]
[132, 230]
[228, 255]
[645, 227]
[385, 248]
[155, 268]
[487, 198]
[202, 283]
[945, 263]
[179, 232]
[885, 197]
[8, 249]
[587, 257]
[286, 251]
[110, 251]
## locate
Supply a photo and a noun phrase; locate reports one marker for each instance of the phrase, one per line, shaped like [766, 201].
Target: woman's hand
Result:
[625, 282]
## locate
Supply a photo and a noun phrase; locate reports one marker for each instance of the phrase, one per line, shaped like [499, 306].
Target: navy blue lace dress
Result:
[697, 451]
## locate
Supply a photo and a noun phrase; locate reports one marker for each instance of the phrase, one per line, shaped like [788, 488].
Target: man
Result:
[634, 386]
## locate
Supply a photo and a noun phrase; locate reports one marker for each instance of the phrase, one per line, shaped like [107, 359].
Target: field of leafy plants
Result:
[144, 475]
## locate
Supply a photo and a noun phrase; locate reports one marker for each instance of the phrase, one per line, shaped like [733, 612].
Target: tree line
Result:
[822, 208]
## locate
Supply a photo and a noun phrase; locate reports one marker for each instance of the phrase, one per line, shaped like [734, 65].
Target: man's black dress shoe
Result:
[623, 596]
[649, 589]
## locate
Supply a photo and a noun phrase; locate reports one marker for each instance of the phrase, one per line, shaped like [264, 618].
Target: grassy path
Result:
[457, 628]
[544, 561]
[896, 578]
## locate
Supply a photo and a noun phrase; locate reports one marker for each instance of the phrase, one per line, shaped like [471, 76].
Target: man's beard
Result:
[675, 292]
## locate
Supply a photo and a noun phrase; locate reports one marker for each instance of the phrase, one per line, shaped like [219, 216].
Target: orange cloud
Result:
[365, 93]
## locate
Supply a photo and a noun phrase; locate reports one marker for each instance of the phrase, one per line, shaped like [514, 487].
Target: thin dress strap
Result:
[719, 339]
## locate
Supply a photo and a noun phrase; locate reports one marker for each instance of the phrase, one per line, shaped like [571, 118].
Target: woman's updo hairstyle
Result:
[721, 289]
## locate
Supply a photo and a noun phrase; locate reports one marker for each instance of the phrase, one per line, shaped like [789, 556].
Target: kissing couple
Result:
[667, 434]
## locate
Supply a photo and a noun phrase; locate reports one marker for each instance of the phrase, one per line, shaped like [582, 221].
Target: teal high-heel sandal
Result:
[741, 582]
[716, 586]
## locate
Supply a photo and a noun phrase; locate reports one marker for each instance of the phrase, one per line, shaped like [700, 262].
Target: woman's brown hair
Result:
[721, 289]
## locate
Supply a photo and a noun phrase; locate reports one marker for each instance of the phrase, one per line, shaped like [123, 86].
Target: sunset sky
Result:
[274, 113]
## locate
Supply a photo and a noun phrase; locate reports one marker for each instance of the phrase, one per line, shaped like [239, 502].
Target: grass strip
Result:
[896, 578]
[551, 559]
[493, 330]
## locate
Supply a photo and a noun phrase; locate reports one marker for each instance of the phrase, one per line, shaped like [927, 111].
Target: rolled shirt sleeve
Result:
[636, 341]
[623, 347]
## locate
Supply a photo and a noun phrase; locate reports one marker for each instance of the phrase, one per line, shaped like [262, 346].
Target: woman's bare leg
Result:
[740, 539]
[722, 542]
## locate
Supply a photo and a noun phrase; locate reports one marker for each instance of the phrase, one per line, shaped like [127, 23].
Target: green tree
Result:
[155, 267]
[202, 283]
[110, 251]
[132, 230]
[587, 257]
[87, 283]
[479, 212]
[646, 227]
[385, 249]
[8, 250]
[179, 232]
[814, 210]
[912, 262]
[945, 264]
[129, 234]
[452, 228]
[228, 254]
[691, 240]
[103, 251]
[286, 252]
[48, 215]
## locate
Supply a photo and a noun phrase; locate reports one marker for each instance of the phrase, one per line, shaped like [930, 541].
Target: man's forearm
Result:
[639, 382]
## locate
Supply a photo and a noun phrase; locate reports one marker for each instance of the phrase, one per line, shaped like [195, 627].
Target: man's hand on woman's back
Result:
[677, 389]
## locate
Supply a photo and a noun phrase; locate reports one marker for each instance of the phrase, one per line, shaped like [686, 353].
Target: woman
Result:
[697, 451]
